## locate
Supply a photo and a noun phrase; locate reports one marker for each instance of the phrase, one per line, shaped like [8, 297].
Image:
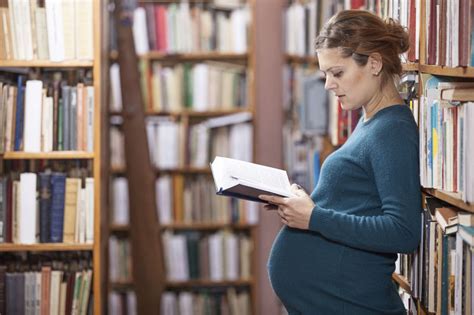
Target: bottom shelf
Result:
[44, 247]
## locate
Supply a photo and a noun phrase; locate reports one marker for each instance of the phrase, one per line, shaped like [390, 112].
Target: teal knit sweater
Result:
[368, 208]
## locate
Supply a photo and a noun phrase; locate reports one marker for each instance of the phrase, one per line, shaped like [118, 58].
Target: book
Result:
[245, 180]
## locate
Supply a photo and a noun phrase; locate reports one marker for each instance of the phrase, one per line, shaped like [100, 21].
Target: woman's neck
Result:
[388, 96]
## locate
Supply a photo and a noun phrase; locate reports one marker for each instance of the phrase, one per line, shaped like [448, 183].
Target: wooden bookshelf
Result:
[46, 64]
[301, 59]
[451, 198]
[411, 66]
[61, 155]
[188, 117]
[44, 247]
[460, 72]
[402, 282]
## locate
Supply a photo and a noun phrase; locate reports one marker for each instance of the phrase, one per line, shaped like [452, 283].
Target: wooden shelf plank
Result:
[46, 64]
[462, 72]
[190, 226]
[19, 155]
[181, 170]
[412, 66]
[208, 283]
[190, 113]
[178, 57]
[301, 59]
[450, 198]
[188, 284]
[207, 226]
[402, 281]
[10, 247]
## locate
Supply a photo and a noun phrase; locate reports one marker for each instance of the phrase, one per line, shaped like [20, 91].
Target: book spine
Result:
[58, 189]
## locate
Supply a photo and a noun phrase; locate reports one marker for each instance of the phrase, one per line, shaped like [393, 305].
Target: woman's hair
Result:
[360, 33]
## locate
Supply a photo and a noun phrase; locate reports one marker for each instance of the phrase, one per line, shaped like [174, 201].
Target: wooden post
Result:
[147, 248]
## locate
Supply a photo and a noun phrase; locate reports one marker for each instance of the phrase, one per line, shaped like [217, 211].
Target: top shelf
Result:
[156, 55]
[46, 64]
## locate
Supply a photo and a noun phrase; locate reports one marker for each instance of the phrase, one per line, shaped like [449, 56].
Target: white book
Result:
[28, 214]
[84, 24]
[231, 256]
[200, 81]
[56, 277]
[216, 253]
[116, 92]
[239, 24]
[240, 142]
[131, 303]
[38, 293]
[41, 34]
[179, 248]
[164, 200]
[33, 107]
[69, 28]
[47, 124]
[80, 230]
[54, 23]
[120, 201]
[185, 302]
[169, 304]
[89, 210]
[90, 119]
[140, 34]
[13, 35]
[26, 28]
[245, 180]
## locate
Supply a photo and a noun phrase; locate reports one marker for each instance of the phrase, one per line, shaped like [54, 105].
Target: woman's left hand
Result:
[294, 211]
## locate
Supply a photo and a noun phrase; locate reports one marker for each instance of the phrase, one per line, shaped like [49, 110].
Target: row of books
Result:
[189, 201]
[230, 302]
[223, 255]
[440, 271]
[40, 118]
[122, 303]
[46, 30]
[304, 20]
[199, 87]
[446, 136]
[47, 207]
[180, 28]
[174, 144]
[450, 33]
[48, 291]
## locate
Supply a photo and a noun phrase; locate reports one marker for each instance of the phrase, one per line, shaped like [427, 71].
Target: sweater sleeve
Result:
[393, 158]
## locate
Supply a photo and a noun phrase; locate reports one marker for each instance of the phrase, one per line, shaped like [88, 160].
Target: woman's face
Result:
[355, 86]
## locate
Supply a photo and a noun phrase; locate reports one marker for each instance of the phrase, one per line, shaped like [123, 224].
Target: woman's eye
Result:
[338, 74]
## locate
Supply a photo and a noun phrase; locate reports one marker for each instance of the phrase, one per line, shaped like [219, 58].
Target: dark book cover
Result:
[66, 118]
[3, 271]
[45, 207]
[20, 115]
[58, 189]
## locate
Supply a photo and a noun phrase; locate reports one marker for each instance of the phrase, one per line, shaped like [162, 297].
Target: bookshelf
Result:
[441, 299]
[81, 66]
[208, 217]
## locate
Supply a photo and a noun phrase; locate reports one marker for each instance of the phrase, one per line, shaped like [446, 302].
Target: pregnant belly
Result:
[302, 263]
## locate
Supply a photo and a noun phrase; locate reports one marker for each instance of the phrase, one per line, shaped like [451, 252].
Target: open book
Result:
[245, 180]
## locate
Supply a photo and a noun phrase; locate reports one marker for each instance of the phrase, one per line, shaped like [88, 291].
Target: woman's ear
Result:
[375, 63]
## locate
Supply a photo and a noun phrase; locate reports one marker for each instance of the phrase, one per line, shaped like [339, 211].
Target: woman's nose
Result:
[329, 84]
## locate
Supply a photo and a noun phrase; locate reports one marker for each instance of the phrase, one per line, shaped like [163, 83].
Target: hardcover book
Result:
[245, 180]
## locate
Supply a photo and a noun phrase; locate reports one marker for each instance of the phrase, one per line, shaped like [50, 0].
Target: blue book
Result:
[45, 206]
[20, 115]
[58, 190]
